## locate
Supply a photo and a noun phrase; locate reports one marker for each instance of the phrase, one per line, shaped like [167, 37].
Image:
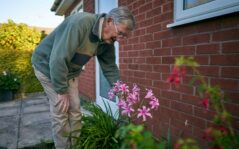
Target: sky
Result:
[31, 12]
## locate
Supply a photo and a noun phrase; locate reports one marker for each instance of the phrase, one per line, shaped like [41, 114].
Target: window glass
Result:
[193, 3]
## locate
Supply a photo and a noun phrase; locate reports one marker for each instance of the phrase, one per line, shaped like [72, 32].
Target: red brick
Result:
[139, 32]
[226, 35]
[226, 84]
[154, 28]
[145, 38]
[133, 66]
[168, 60]
[168, 7]
[139, 74]
[208, 49]
[140, 46]
[146, 67]
[145, 7]
[161, 68]
[180, 106]
[190, 99]
[232, 97]
[170, 95]
[154, 60]
[183, 89]
[153, 44]
[196, 39]
[225, 60]
[154, 12]
[162, 35]
[233, 109]
[164, 102]
[230, 47]
[203, 113]
[140, 17]
[161, 85]
[202, 60]
[190, 50]
[209, 71]
[171, 42]
[133, 40]
[146, 53]
[140, 60]
[153, 76]
[146, 23]
[194, 121]
[162, 51]
[230, 72]
[163, 17]
[133, 54]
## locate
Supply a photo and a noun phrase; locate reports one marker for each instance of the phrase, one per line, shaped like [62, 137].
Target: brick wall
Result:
[147, 57]
[87, 86]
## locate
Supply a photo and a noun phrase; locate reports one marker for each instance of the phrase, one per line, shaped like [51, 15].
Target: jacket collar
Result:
[96, 26]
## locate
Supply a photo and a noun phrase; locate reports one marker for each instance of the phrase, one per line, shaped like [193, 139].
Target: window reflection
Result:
[193, 3]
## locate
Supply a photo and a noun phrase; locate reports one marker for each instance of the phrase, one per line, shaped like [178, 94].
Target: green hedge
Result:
[19, 63]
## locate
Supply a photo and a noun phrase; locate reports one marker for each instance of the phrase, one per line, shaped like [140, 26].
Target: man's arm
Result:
[107, 61]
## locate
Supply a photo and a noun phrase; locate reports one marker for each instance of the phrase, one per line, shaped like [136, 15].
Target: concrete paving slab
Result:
[9, 132]
[25, 122]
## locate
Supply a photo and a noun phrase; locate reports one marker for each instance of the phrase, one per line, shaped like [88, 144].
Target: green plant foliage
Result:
[9, 81]
[19, 63]
[134, 136]
[98, 129]
[18, 36]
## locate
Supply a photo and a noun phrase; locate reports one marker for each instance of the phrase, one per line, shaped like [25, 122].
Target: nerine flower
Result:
[149, 94]
[154, 103]
[124, 88]
[144, 112]
[127, 110]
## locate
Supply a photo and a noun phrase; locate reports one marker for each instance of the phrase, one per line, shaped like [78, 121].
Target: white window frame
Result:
[204, 11]
[78, 8]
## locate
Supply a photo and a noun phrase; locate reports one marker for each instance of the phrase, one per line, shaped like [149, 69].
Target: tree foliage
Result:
[18, 36]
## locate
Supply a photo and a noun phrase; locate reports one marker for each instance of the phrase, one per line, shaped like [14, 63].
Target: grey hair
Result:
[122, 15]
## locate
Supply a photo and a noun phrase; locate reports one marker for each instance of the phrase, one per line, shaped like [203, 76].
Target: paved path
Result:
[25, 122]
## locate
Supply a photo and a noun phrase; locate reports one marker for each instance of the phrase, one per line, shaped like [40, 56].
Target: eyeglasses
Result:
[119, 34]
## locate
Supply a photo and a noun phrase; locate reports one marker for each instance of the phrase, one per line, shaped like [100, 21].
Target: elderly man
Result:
[59, 58]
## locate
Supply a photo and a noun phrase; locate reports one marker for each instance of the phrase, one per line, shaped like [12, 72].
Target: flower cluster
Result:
[176, 75]
[9, 81]
[130, 103]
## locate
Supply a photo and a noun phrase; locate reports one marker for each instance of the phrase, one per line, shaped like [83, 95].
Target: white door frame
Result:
[99, 99]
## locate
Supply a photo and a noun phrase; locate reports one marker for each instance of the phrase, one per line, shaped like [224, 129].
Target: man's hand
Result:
[63, 102]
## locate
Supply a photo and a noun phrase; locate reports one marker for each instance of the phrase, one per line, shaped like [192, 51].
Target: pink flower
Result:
[154, 103]
[135, 89]
[132, 98]
[127, 110]
[149, 94]
[143, 112]
[121, 103]
[124, 88]
[205, 102]
[111, 94]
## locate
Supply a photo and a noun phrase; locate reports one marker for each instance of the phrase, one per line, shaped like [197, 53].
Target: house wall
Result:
[147, 57]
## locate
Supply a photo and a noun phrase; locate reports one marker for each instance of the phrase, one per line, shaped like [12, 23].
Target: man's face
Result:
[112, 32]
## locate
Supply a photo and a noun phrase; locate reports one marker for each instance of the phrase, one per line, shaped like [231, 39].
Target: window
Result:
[187, 11]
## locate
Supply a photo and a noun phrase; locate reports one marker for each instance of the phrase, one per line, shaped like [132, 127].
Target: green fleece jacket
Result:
[62, 54]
